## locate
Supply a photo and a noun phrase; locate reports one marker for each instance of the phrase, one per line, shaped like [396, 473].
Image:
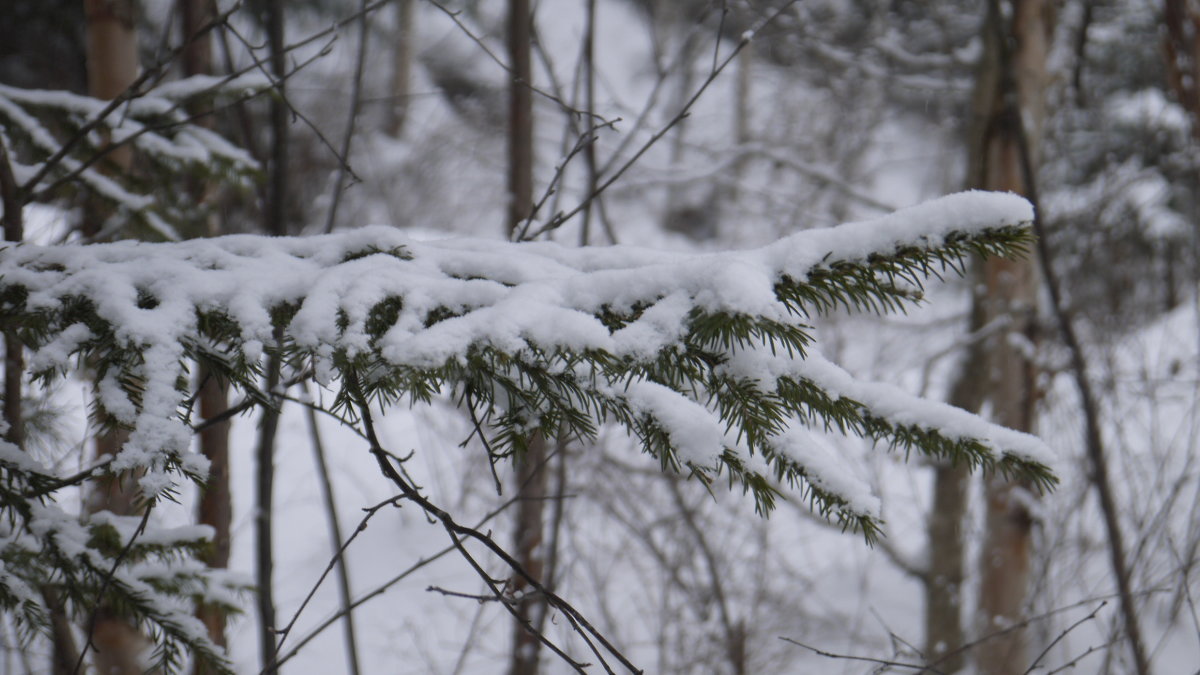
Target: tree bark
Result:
[112, 56]
[14, 355]
[274, 222]
[530, 552]
[944, 635]
[1010, 295]
[1181, 55]
[520, 115]
[216, 501]
[215, 507]
[531, 470]
[402, 56]
[112, 66]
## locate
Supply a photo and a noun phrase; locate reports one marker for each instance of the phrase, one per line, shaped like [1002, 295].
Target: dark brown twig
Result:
[339, 184]
[456, 531]
[865, 659]
[382, 588]
[560, 219]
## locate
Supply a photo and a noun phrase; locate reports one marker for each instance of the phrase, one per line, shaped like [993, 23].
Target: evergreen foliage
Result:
[61, 146]
[714, 382]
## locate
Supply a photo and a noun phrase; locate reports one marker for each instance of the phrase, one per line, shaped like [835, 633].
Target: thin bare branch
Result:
[352, 117]
[560, 219]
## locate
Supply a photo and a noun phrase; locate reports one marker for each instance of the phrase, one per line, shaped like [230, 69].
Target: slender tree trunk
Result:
[944, 634]
[741, 115]
[531, 470]
[1010, 295]
[112, 66]
[112, 57]
[1181, 55]
[680, 211]
[335, 541]
[14, 356]
[530, 552]
[274, 222]
[215, 507]
[589, 100]
[402, 56]
[216, 501]
[520, 115]
[197, 55]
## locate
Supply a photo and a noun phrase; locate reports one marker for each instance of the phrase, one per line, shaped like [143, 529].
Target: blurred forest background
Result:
[689, 125]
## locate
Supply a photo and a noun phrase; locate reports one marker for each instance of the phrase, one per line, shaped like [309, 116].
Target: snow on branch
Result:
[57, 138]
[706, 358]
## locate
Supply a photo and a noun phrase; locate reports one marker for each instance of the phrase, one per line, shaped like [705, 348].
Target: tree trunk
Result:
[216, 502]
[1010, 294]
[274, 222]
[215, 507]
[402, 56]
[531, 470]
[1181, 55]
[520, 115]
[530, 552]
[741, 117]
[944, 577]
[112, 57]
[112, 66]
[944, 631]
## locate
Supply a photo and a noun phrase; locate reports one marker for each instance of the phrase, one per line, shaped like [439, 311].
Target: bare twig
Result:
[466, 596]
[74, 479]
[333, 562]
[487, 447]
[683, 113]
[355, 102]
[1064, 634]
[865, 659]
[382, 588]
[454, 16]
[335, 536]
[456, 531]
[129, 139]
[250, 401]
[152, 73]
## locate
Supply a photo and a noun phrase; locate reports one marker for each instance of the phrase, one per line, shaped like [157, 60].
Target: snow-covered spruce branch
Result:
[707, 359]
[56, 138]
[144, 574]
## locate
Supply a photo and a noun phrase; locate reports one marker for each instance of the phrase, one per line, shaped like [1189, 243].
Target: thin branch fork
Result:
[559, 220]
[454, 16]
[333, 562]
[458, 532]
[379, 590]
